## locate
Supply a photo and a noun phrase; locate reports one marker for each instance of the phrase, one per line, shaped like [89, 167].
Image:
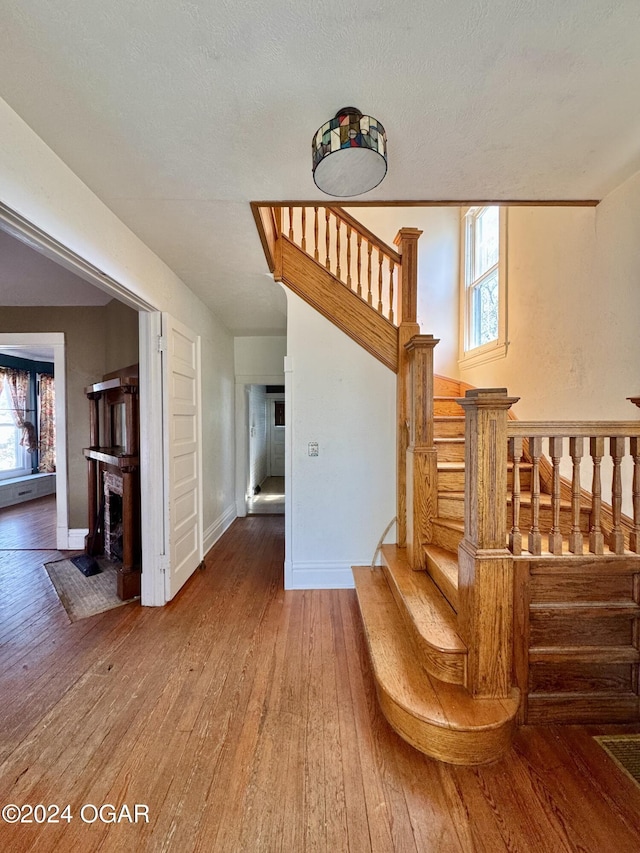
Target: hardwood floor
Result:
[29, 525]
[270, 501]
[245, 718]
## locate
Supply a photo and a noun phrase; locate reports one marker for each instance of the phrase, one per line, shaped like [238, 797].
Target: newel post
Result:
[406, 317]
[485, 580]
[422, 468]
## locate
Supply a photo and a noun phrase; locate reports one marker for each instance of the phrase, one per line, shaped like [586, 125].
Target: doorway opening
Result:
[265, 492]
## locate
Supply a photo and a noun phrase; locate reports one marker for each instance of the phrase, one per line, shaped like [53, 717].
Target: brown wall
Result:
[97, 340]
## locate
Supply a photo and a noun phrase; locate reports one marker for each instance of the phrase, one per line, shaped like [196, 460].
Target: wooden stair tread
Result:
[442, 720]
[431, 615]
[442, 565]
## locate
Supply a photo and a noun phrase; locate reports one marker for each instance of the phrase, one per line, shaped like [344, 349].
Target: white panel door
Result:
[181, 410]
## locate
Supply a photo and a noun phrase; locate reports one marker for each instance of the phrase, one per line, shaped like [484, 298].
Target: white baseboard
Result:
[318, 575]
[75, 538]
[215, 531]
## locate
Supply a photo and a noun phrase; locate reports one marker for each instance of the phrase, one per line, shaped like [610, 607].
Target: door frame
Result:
[272, 400]
[242, 433]
[150, 387]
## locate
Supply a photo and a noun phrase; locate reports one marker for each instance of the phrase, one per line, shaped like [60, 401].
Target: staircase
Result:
[471, 626]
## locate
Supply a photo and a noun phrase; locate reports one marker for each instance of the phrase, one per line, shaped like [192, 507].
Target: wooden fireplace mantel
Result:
[113, 468]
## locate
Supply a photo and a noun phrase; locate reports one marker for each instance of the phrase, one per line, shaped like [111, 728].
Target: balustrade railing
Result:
[575, 517]
[348, 250]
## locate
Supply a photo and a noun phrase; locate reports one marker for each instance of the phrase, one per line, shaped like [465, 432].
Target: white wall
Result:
[559, 338]
[438, 261]
[38, 185]
[338, 503]
[260, 356]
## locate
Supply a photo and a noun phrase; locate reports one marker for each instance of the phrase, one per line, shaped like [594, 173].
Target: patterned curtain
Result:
[18, 382]
[47, 464]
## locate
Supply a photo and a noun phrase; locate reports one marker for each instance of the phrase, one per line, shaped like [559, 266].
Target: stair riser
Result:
[449, 591]
[454, 747]
[450, 506]
[449, 428]
[447, 407]
[450, 451]
[453, 481]
[546, 520]
[445, 537]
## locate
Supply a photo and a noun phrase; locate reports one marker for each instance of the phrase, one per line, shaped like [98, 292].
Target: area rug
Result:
[625, 751]
[81, 596]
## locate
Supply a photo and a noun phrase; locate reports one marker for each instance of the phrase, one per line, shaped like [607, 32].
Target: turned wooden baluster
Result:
[555, 536]
[349, 256]
[634, 536]
[576, 447]
[327, 238]
[316, 253]
[380, 262]
[338, 270]
[359, 264]
[515, 456]
[535, 537]
[616, 537]
[291, 224]
[369, 293]
[391, 269]
[596, 536]
[304, 229]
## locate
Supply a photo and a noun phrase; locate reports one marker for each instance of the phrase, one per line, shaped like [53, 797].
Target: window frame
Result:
[470, 356]
[22, 454]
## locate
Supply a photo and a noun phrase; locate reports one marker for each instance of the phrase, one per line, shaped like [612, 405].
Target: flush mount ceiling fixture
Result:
[349, 154]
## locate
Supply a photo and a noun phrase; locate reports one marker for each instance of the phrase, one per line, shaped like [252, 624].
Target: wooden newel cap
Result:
[487, 398]
[418, 341]
[407, 234]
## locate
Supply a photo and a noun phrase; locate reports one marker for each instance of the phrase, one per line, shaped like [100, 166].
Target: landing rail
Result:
[525, 446]
[349, 251]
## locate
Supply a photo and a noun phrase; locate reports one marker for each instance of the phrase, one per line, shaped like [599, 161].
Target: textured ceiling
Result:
[178, 114]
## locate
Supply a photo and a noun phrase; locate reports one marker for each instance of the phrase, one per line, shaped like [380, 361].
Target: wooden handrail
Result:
[342, 214]
[378, 274]
[576, 431]
[570, 429]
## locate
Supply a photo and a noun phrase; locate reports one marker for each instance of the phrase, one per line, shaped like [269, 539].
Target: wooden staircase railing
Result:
[526, 438]
[349, 251]
[369, 290]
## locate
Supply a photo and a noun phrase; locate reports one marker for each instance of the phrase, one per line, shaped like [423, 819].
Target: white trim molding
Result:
[496, 349]
[75, 538]
[219, 526]
[334, 575]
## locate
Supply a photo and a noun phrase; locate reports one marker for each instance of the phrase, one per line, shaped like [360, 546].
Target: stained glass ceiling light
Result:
[349, 154]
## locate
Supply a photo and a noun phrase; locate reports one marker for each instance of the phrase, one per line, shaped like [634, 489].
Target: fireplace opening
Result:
[113, 518]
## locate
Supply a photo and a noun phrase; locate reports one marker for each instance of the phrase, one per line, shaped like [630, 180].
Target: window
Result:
[483, 285]
[15, 461]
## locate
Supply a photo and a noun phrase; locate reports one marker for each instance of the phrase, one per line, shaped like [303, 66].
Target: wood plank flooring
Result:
[245, 718]
[29, 525]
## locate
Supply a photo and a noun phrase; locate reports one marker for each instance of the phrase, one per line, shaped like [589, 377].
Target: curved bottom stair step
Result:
[441, 720]
[428, 617]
